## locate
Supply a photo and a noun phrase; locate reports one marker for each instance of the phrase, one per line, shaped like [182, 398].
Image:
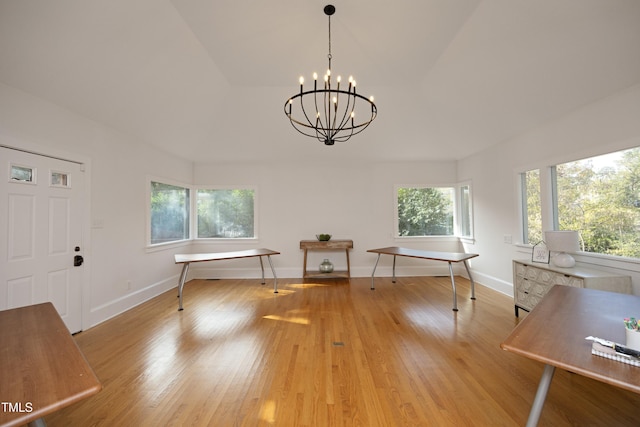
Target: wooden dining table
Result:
[554, 334]
[41, 367]
[448, 257]
[187, 259]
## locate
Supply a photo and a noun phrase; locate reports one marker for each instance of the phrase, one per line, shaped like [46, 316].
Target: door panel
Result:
[21, 231]
[41, 227]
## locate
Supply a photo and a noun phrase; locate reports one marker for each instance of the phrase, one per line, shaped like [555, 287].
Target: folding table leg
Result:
[262, 268]
[374, 272]
[473, 286]
[453, 285]
[275, 278]
[393, 280]
[183, 277]
[541, 395]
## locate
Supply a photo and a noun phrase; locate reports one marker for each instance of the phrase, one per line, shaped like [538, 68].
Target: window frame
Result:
[460, 212]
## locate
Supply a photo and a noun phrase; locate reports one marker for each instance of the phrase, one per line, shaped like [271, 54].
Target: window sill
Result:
[167, 246]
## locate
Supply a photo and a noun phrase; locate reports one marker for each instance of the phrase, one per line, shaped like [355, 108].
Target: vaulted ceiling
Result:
[207, 79]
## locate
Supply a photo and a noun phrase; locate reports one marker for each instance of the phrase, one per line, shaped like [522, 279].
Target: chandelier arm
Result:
[301, 126]
[304, 111]
[315, 101]
[356, 129]
[346, 115]
[312, 135]
[327, 108]
[321, 130]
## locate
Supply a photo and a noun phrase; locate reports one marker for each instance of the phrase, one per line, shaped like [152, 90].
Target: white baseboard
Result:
[113, 308]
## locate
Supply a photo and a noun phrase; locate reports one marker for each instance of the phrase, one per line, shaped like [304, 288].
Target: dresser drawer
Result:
[532, 281]
[548, 277]
[529, 292]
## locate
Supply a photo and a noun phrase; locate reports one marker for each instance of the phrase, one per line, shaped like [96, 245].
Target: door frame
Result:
[46, 151]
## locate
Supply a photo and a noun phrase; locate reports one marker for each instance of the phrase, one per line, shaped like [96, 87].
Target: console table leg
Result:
[346, 251]
[304, 264]
[541, 395]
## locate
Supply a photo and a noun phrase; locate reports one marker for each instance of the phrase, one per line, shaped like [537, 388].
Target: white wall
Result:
[298, 200]
[608, 125]
[117, 170]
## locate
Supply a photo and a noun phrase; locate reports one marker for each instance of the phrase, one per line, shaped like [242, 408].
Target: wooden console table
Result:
[328, 245]
[41, 367]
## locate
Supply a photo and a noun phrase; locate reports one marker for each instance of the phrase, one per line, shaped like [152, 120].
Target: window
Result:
[531, 207]
[169, 213]
[598, 197]
[425, 211]
[226, 213]
[466, 213]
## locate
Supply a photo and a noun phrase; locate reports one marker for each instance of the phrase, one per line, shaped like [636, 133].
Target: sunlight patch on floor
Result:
[268, 411]
[294, 319]
[307, 285]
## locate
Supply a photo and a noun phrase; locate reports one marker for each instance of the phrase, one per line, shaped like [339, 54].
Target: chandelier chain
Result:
[329, 56]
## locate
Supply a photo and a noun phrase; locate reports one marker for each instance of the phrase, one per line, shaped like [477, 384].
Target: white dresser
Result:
[532, 280]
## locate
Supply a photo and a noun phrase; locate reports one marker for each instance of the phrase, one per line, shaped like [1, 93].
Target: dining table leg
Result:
[453, 286]
[541, 395]
[183, 277]
[374, 272]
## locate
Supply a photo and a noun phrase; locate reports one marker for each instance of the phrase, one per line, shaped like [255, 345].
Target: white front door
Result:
[41, 233]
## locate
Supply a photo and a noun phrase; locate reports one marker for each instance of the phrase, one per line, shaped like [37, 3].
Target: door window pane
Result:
[22, 174]
[59, 179]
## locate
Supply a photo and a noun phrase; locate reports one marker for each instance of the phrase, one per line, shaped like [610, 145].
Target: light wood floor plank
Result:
[326, 353]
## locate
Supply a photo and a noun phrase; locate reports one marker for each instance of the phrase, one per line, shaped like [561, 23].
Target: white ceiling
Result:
[207, 79]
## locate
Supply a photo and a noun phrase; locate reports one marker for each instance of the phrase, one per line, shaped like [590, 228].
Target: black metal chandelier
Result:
[328, 113]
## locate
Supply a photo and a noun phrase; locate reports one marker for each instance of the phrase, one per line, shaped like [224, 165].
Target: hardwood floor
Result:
[327, 353]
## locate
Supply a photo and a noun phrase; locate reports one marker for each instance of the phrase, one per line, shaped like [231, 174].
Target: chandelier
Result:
[328, 112]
